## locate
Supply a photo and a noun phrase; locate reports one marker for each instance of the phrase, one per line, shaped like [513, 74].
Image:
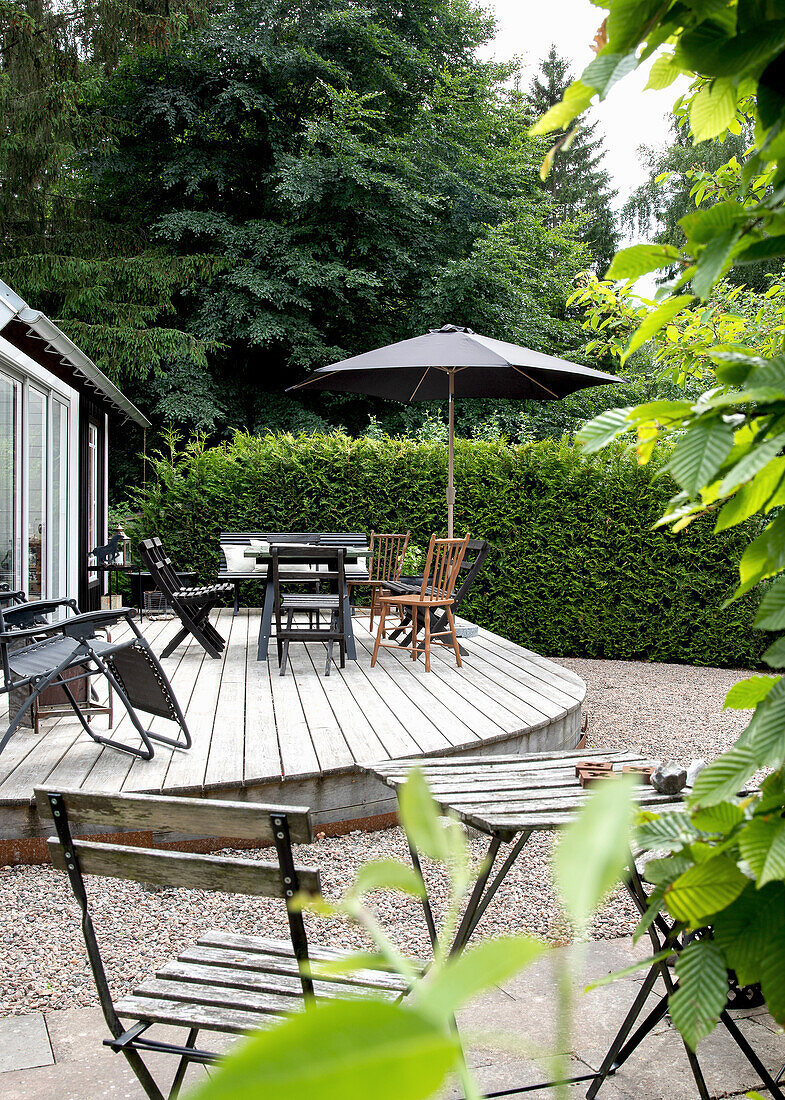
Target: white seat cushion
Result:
[236, 561]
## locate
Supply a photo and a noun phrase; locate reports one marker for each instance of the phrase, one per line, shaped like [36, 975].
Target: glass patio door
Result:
[37, 548]
[34, 488]
[10, 495]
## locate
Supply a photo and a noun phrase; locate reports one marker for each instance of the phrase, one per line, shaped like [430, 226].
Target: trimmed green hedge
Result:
[576, 567]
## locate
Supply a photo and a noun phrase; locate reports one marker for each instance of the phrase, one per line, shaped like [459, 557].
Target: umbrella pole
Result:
[450, 454]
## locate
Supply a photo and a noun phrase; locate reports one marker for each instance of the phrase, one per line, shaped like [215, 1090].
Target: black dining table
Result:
[264, 557]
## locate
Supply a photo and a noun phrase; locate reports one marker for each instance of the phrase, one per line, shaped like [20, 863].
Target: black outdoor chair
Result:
[227, 982]
[473, 561]
[36, 654]
[288, 604]
[191, 605]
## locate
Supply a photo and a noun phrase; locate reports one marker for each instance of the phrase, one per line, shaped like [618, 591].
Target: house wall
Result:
[39, 478]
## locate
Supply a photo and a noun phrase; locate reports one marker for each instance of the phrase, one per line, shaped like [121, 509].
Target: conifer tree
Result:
[94, 270]
[578, 184]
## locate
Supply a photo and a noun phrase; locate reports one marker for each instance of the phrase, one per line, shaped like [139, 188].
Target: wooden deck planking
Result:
[262, 752]
[459, 721]
[327, 735]
[385, 679]
[253, 728]
[187, 769]
[541, 668]
[227, 745]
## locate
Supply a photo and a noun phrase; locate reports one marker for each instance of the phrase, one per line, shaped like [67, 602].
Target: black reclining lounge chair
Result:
[191, 605]
[36, 654]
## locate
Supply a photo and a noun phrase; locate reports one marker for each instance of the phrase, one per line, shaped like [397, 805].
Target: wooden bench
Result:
[235, 567]
[226, 982]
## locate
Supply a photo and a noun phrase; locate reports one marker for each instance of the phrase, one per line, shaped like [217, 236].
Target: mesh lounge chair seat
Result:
[36, 655]
[191, 605]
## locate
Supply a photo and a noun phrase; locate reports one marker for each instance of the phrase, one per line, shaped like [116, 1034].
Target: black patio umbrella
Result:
[452, 362]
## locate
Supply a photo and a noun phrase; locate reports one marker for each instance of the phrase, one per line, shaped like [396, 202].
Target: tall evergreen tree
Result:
[94, 269]
[578, 184]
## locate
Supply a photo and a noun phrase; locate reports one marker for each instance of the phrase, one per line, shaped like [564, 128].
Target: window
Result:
[34, 487]
[36, 493]
[10, 497]
[93, 473]
[58, 527]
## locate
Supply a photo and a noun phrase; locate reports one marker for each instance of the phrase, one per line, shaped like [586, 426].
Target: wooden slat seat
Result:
[246, 974]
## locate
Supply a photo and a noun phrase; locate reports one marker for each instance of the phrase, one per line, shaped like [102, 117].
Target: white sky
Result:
[629, 117]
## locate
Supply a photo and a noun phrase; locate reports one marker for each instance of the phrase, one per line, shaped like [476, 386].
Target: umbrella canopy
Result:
[455, 362]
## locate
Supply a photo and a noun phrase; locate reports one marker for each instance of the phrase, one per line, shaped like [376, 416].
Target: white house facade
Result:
[56, 409]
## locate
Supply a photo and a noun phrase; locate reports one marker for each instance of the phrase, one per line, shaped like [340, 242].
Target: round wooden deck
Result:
[299, 738]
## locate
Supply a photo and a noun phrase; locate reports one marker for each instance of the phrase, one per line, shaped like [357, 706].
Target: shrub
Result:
[576, 567]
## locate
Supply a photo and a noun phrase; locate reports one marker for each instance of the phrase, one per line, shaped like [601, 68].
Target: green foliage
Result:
[340, 1050]
[359, 174]
[607, 819]
[578, 184]
[355, 1049]
[726, 867]
[575, 567]
[85, 264]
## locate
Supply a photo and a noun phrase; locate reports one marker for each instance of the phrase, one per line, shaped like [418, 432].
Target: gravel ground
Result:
[667, 711]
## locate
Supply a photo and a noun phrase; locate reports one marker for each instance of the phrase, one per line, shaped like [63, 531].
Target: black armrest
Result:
[29, 614]
[84, 626]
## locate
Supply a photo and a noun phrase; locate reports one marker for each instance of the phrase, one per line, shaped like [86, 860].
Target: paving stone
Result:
[531, 1014]
[659, 1069]
[85, 1069]
[24, 1043]
[508, 1073]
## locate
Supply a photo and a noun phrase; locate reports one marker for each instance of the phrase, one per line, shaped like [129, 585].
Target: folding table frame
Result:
[508, 798]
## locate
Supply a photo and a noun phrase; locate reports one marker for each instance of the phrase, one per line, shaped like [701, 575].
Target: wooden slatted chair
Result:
[442, 566]
[287, 604]
[385, 565]
[225, 983]
[473, 561]
[191, 605]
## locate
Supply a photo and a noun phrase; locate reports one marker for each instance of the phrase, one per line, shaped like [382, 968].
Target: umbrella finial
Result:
[454, 328]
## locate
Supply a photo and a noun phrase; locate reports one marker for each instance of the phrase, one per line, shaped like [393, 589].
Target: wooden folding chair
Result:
[226, 982]
[442, 567]
[191, 605]
[385, 565]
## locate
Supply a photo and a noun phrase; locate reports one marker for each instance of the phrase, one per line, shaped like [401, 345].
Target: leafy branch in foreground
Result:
[350, 1050]
[724, 874]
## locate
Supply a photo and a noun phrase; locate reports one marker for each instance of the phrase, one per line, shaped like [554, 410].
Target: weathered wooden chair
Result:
[442, 567]
[473, 561]
[288, 604]
[191, 605]
[36, 655]
[385, 565]
[225, 983]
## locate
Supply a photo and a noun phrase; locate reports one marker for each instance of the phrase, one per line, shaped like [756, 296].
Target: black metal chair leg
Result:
[40, 686]
[744, 1046]
[179, 1076]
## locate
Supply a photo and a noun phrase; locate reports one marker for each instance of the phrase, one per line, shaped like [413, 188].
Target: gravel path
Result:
[667, 711]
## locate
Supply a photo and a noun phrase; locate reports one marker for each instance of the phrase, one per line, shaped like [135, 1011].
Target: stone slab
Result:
[24, 1043]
